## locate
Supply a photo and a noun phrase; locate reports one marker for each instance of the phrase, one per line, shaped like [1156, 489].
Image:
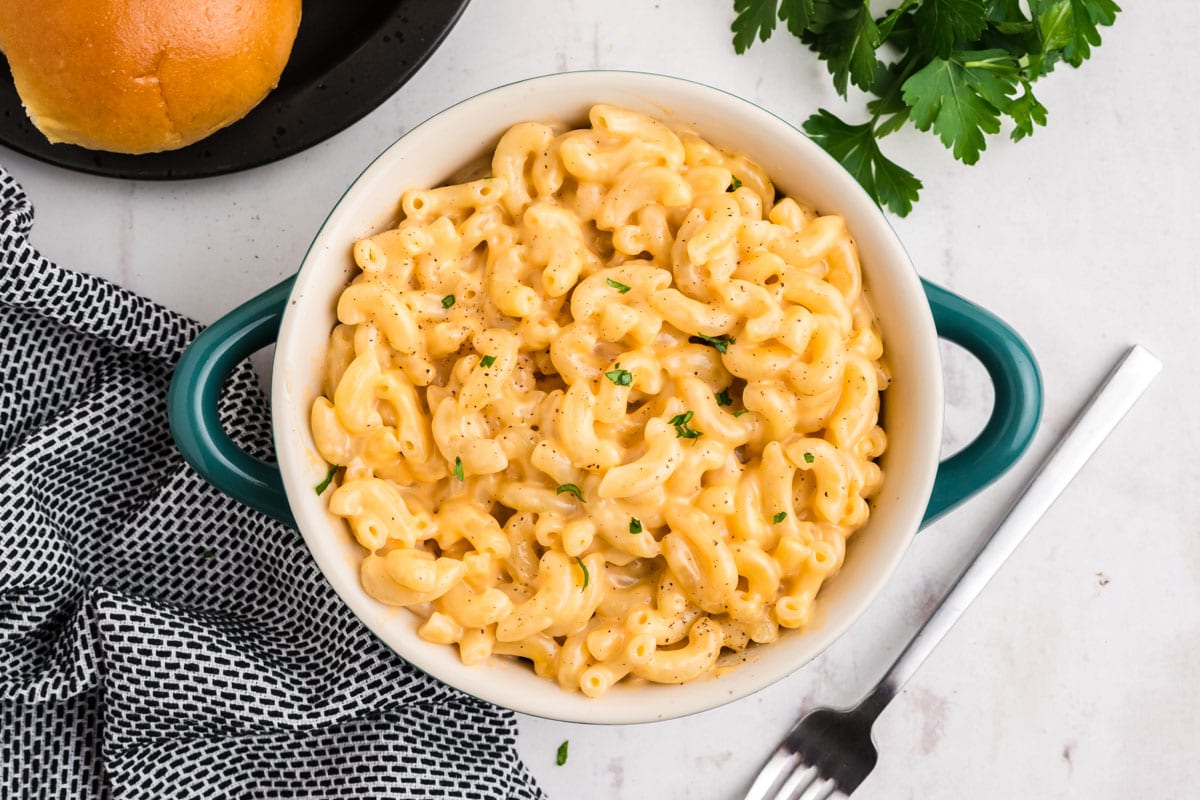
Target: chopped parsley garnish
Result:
[458, 470]
[723, 398]
[487, 361]
[682, 430]
[809, 458]
[561, 757]
[739, 412]
[570, 488]
[323, 485]
[780, 517]
[620, 287]
[583, 567]
[737, 184]
[635, 525]
[447, 301]
[720, 342]
[621, 377]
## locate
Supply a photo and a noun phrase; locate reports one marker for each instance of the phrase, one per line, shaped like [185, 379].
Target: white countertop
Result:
[1075, 674]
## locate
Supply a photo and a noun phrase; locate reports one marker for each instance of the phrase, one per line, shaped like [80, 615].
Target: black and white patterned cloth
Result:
[157, 639]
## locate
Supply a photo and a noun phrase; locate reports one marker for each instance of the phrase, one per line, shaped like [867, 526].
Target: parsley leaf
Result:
[635, 525]
[1070, 25]
[809, 458]
[892, 186]
[323, 485]
[583, 567]
[720, 342]
[487, 361]
[779, 517]
[723, 398]
[798, 14]
[560, 757]
[754, 18]
[945, 21]
[447, 301]
[620, 377]
[846, 43]
[458, 468]
[682, 430]
[961, 98]
[1026, 112]
[737, 184]
[620, 287]
[570, 488]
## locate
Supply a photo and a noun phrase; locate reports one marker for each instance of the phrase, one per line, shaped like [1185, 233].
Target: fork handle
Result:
[1107, 406]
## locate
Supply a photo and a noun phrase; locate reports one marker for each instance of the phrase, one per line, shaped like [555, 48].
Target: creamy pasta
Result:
[612, 408]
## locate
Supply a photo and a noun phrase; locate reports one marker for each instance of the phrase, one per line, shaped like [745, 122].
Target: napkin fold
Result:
[158, 639]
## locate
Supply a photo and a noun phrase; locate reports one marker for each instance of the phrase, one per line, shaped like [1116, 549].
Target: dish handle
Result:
[192, 404]
[209, 360]
[1017, 409]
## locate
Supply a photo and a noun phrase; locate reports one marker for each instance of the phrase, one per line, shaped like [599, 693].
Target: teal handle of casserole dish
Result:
[1017, 409]
[207, 363]
[192, 403]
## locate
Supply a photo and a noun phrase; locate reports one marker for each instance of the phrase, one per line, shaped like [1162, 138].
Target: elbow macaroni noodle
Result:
[613, 410]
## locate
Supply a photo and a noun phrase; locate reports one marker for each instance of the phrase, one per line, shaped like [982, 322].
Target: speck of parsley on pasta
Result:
[323, 485]
[570, 488]
[720, 342]
[620, 377]
[682, 429]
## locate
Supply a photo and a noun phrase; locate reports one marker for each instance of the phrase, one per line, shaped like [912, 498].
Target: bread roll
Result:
[141, 76]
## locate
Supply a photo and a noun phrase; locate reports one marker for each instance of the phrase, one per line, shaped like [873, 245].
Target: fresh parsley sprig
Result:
[958, 68]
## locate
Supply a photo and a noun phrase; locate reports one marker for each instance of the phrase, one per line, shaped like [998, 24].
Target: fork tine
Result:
[800, 780]
[777, 767]
[820, 790]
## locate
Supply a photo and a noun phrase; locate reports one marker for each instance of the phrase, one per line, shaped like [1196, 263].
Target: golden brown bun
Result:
[140, 76]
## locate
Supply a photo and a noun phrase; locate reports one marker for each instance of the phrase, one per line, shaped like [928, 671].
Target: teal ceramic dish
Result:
[912, 314]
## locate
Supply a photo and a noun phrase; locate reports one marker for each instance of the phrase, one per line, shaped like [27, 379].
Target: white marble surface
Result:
[1075, 674]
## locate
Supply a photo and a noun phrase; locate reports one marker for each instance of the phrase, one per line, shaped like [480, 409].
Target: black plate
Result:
[348, 58]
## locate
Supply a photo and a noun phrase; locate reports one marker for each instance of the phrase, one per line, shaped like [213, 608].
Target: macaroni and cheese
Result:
[612, 408]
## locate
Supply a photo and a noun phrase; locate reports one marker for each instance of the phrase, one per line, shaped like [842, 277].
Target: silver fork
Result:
[829, 751]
